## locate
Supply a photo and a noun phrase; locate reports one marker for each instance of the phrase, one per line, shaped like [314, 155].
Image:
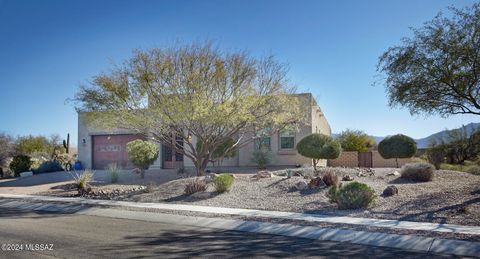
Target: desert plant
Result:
[355, 140]
[397, 146]
[66, 144]
[261, 157]
[421, 172]
[473, 169]
[330, 178]
[20, 163]
[223, 182]
[318, 146]
[194, 186]
[48, 166]
[354, 195]
[82, 180]
[113, 171]
[436, 156]
[142, 154]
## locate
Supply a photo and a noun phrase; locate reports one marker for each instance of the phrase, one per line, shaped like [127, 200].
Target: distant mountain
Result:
[424, 142]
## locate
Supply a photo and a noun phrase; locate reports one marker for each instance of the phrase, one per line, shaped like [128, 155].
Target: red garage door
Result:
[109, 149]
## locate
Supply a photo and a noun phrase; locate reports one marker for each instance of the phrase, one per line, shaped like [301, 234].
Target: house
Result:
[97, 148]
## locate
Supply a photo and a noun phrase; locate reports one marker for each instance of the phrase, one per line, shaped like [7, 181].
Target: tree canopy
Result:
[355, 140]
[195, 92]
[318, 146]
[436, 71]
[397, 146]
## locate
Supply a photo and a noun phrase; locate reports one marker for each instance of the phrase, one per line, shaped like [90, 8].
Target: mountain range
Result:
[424, 142]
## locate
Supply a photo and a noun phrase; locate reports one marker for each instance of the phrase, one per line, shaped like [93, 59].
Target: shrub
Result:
[436, 156]
[474, 169]
[195, 186]
[261, 157]
[48, 166]
[223, 182]
[113, 172]
[330, 178]
[421, 172]
[354, 195]
[318, 146]
[82, 181]
[65, 160]
[397, 146]
[142, 154]
[20, 163]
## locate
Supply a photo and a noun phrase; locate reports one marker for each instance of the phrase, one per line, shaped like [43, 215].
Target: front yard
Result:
[451, 197]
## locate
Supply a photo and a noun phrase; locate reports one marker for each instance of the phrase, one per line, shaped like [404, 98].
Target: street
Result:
[81, 236]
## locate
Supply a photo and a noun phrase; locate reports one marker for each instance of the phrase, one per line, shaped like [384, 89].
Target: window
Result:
[287, 138]
[263, 139]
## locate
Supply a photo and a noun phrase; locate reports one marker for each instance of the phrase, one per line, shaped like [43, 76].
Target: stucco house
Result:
[97, 148]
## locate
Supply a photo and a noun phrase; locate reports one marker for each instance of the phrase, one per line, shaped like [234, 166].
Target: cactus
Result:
[66, 144]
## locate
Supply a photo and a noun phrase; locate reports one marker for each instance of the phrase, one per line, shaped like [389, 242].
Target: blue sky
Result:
[48, 48]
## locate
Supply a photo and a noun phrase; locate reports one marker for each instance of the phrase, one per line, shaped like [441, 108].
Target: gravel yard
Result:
[452, 197]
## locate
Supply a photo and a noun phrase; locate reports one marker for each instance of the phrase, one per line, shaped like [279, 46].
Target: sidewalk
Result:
[384, 223]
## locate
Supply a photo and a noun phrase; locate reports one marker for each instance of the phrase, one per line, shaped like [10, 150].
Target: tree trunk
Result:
[315, 161]
[396, 161]
[200, 166]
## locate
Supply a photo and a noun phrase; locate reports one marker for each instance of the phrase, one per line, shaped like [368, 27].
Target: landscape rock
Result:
[201, 195]
[26, 174]
[302, 185]
[394, 173]
[390, 190]
[316, 182]
[347, 178]
[209, 177]
[263, 174]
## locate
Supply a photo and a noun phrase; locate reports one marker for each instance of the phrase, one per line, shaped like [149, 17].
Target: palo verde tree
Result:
[194, 92]
[318, 146]
[355, 140]
[437, 71]
[397, 146]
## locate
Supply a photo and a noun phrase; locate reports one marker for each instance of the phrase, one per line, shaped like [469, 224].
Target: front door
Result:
[171, 159]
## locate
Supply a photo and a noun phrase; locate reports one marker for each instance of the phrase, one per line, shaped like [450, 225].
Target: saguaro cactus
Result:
[66, 144]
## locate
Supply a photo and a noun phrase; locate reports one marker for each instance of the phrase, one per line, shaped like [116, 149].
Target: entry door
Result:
[170, 158]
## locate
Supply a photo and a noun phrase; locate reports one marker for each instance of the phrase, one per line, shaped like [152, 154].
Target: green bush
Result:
[318, 146]
[142, 154]
[194, 186]
[354, 195]
[48, 166]
[261, 157]
[420, 172]
[113, 172]
[397, 146]
[20, 163]
[223, 182]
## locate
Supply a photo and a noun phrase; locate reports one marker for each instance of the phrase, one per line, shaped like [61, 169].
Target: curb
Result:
[384, 223]
[406, 242]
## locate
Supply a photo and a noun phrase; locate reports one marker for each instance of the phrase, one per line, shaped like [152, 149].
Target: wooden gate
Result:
[365, 159]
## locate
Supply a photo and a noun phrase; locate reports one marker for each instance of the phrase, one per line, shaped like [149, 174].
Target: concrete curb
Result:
[384, 223]
[406, 242]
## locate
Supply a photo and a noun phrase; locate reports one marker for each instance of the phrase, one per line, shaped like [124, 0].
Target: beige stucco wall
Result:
[379, 161]
[346, 158]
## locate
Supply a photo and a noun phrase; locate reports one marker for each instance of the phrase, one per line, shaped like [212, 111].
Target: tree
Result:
[142, 154]
[28, 145]
[437, 70]
[458, 146]
[194, 92]
[6, 149]
[397, 146]
[225, 150]
[318, 146]
[355, 140]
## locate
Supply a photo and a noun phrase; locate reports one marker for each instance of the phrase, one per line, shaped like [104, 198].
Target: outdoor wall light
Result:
[84, 141]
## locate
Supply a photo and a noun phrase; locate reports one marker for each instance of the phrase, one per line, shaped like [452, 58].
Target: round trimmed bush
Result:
[397, 146]
[354, 195]
[319, 146]
[223, 182]
[419, 172]
[20, 163]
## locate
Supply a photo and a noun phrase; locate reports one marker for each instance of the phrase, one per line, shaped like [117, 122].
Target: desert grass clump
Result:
[194, 186]
[113, 171]
[330, 178]
[354, 195]
[418, 172]
[223, 183]
[82, 180]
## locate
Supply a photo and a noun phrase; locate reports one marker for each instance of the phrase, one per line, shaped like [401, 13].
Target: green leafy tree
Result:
[458, 146]
[142, 154]
[437, 70]
[355, 140]
[28, 145]
[318, 146]
[195, 92]
[397, 146]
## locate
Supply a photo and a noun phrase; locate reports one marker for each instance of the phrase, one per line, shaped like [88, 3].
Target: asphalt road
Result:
[80, 236]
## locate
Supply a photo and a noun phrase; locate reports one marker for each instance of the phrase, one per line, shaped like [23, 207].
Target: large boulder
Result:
[390, 191]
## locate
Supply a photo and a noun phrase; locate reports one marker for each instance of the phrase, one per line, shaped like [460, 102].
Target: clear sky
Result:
[48, 48]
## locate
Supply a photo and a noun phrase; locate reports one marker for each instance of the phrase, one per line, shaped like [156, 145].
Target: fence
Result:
[365, 159]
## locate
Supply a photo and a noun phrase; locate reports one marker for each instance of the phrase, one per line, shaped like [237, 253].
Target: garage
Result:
[108, 149]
